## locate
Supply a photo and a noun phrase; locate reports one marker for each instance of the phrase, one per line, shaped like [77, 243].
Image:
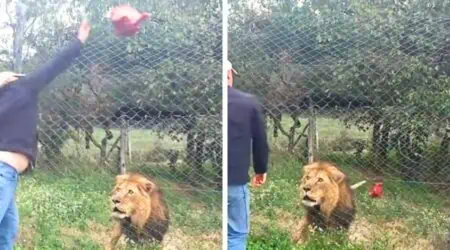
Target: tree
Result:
[382, 63]
[172, 65]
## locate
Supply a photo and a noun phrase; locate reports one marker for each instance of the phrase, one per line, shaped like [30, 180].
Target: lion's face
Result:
[131, 196]
[319, 183]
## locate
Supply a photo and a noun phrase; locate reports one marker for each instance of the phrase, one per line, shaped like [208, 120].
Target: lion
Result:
[139, 209]
[328, 199]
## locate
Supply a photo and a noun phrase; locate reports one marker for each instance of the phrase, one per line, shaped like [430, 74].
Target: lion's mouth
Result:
[116, 210]
[309, 202]
[307, 198]
[119, 214]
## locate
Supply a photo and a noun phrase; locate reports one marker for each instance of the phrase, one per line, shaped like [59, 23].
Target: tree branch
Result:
[278, 124]
[91, 138]
[303, 134]
[11, 24]
[113, 146]
[31, 25]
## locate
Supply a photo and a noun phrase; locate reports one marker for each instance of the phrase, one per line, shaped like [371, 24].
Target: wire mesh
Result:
[363, 85]
[148, 104]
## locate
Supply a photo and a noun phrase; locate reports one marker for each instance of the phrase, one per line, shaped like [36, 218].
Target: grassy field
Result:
[68, 207]
[410, 216]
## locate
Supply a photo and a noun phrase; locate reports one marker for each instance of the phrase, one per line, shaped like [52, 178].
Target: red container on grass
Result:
[376, 191]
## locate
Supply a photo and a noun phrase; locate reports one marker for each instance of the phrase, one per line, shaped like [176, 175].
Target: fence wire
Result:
[148, 104]
[361, 84]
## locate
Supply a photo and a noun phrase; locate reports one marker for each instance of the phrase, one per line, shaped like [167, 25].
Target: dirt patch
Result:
[443, 242]
[285, 220]
[71, 232]
[177, 240]
[366, 233]
[361, 231]
[184, 189]
[96, 232]
[27, 234]
[258, 222]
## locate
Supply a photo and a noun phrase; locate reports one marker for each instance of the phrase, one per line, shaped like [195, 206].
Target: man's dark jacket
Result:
[246, 135]
[19, 103]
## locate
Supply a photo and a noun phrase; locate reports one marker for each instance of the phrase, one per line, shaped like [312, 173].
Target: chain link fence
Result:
[148, 104]
[365, 85]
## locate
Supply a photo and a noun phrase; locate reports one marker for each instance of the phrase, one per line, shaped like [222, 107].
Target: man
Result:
[246, 136]
[18, 125]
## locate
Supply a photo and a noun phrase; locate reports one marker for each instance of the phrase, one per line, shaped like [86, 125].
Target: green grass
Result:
[410, 216]
[68, 207]
[280, 240]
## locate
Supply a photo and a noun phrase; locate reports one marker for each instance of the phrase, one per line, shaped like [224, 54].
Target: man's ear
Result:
[121, 178]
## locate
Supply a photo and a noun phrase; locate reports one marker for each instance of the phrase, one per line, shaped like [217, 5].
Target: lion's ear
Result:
[149, 186]
[121, 178]
[337, 175]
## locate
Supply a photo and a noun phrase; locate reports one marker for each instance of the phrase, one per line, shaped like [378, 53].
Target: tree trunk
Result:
[217, 163]
[375, 136]
[443, 153]
[190, 148]
[292, 142]
[19, 37]
[383, 146]
[311, 135]
[412, 160]
[199, 151]
[123, 146]
[129, 146]
[380, 143]
[445, 143]
[103, 149]
[276, 118]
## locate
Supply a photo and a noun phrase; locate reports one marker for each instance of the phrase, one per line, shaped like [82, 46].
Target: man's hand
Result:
[259, 179]
[83, 32]
[8, 77]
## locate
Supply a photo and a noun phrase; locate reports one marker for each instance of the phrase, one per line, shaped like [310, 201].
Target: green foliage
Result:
[173, 64]
[391, 56]
[277, 241]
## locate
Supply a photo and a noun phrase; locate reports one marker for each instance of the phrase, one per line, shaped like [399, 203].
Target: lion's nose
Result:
[115, 201]
[306, 189]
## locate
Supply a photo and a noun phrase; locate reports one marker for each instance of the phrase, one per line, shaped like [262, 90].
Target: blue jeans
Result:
[238, 216]
[9, 217]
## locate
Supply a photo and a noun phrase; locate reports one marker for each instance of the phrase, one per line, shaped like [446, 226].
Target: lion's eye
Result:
[320, 180]
[307, 177]
[130, 192]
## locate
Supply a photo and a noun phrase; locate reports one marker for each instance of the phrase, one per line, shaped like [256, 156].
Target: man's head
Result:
[7, 77]
[230, 72]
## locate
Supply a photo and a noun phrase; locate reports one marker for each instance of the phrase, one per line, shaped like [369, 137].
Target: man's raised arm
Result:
[46, 73]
